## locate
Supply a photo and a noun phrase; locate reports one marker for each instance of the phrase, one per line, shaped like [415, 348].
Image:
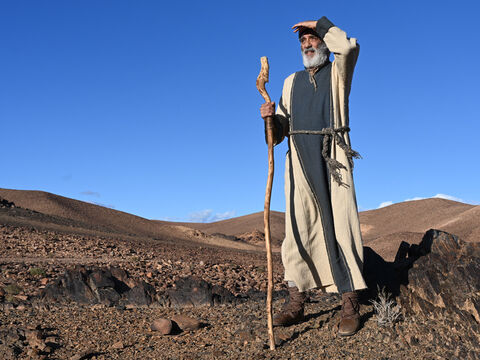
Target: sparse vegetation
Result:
[36, 271]
[387, 311]
[10, 298]
[13, 289]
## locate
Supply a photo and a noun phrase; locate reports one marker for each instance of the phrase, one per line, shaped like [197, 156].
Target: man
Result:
[323, 245]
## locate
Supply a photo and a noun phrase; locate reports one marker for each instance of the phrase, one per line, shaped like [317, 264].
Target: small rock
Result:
[163, 326]
[84, 355]
[33, 353]
[186, 323]
[35, 339]
[51, 340]
[118, 345]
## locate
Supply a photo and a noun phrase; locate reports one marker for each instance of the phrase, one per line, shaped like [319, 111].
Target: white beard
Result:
[319, 58]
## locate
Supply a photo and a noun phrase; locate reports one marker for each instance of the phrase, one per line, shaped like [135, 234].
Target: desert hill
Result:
[247, 224]
[382, 229]
[83, 212]
[414, 216]
[90, 216]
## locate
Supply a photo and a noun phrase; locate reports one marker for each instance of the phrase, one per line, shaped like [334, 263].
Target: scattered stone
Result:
[88, 354]
[35, 339]
[118, 345]
[163, 326]
[186, 323]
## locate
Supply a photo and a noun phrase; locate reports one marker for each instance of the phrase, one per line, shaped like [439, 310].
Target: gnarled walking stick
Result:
[261, 80]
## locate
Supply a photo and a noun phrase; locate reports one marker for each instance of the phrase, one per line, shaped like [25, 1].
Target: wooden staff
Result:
[261, 80]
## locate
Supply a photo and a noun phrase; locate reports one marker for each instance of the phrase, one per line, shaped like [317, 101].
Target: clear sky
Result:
[150, 107]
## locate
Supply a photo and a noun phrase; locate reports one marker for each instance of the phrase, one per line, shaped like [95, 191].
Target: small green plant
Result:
[13, 289]
[36, 271]
[10, 298]
[387, 311]
[261, 269]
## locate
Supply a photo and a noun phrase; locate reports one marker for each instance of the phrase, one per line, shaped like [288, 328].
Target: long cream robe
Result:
[343, 200]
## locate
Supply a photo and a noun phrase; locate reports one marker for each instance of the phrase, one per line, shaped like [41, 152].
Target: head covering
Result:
[303, 30]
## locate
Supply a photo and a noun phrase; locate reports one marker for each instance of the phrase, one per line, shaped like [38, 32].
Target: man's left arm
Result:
[344, 49]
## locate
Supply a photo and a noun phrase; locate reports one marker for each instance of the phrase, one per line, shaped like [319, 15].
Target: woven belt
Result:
[334, 166]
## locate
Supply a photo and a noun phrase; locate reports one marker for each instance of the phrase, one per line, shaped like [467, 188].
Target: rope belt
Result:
[333, 165]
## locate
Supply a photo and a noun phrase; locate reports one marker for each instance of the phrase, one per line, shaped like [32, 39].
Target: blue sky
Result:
[151, 107]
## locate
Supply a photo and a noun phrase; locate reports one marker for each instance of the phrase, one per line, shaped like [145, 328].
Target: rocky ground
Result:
[33, 325]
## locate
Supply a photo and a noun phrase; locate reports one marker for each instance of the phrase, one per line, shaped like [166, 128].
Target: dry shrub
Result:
[386, 310]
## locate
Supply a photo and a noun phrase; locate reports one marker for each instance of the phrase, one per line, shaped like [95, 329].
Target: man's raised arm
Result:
[345, 49]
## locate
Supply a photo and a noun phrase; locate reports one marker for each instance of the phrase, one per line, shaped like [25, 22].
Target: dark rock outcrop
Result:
[113, 286]
[191, 292]
[444, 278]
[141, 294]
[6, 204]
[86, 286]
[437, 283]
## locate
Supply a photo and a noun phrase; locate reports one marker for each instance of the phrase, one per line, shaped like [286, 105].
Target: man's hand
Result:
[311, 24]
[267, 109]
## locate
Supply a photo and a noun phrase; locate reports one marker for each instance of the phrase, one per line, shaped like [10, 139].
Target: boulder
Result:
[163, 326]
[72, 285]
[193, 292]
[444, 278]
[6, 204]
[88, 286]
[141, 294]
[186, 323]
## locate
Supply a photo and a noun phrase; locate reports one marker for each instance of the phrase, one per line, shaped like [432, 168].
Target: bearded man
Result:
[323, 245]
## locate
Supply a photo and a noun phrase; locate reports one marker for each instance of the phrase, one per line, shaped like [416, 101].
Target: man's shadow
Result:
[391, 276]
[380, 274]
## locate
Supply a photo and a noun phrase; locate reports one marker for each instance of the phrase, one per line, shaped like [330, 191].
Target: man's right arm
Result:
[280, 120]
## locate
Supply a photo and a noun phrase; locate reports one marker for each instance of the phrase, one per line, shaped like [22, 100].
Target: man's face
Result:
[309, 41]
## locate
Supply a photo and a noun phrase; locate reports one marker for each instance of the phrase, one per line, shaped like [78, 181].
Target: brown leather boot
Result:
[292, 311]
[350, 316]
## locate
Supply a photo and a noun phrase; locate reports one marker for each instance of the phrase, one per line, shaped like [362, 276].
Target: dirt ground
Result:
[31, 258]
